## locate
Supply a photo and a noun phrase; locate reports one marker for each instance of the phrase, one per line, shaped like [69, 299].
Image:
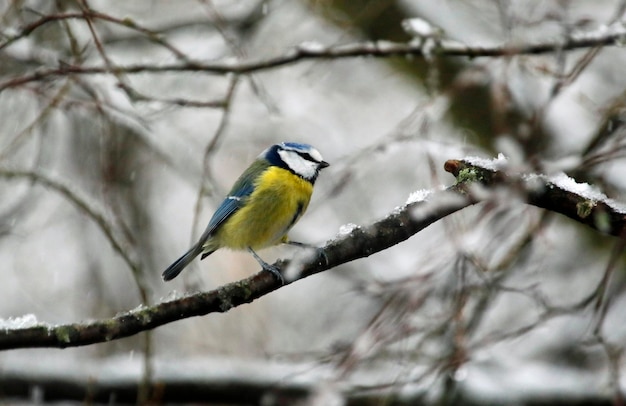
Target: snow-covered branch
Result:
[558, 194]
[352, 243]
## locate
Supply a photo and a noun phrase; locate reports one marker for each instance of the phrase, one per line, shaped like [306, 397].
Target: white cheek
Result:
[302, 167]
[308, 169]
[316, 155]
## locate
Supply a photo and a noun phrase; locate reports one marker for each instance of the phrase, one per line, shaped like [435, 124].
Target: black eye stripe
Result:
[304, 155]
[307, 156]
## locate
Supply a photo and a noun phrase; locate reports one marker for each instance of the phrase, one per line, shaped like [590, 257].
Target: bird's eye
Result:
[307, 156]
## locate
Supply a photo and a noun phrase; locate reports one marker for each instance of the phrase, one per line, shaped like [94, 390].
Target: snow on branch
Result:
[351, 243]
[558, 194]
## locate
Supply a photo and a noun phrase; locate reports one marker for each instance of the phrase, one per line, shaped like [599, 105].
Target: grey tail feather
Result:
[173, 270]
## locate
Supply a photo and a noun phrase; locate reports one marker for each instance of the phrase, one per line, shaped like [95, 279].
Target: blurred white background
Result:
[490, 301]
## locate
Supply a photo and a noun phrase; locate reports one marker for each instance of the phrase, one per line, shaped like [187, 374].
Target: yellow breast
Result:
[277, 203]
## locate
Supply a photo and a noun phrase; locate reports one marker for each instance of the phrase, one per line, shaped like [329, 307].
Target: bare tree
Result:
[495, 280]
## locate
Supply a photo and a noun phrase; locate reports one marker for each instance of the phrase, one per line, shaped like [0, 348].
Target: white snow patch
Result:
[418, 196]
[171, 296]
[386, 46]
[617, 28]
[418, 27]
[585, 190]
[26, 321]
[346, 229]
[312, 47]
[491, 164]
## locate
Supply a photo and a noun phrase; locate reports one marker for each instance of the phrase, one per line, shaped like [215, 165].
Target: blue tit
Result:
[262, 206]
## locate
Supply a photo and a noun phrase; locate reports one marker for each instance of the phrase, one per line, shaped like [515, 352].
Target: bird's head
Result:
[301, 159]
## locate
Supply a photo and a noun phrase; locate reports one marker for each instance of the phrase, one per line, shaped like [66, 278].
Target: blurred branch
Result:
[614, 35]
[121, 82]
[90, 14]
[21, 137]
[232, 382]
[359, 242]
[236, 48]
[91, 210]
[79, 384]
[208, 180]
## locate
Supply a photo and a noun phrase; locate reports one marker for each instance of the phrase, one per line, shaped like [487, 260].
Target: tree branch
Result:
[559, 194]
[245, 382]
[87, 14]
[95, 213]
[359, 242]
[613, 35]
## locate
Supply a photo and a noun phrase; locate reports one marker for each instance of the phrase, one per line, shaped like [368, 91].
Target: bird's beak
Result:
[324, 164]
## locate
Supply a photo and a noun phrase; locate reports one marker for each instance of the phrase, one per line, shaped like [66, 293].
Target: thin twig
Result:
[380, 49]
[87, 207]
[209, 150]
[122, 84]
[23, 135]
[95, 15]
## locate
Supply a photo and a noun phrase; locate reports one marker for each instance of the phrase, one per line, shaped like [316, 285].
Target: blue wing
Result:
[229, 206]
[236, 198]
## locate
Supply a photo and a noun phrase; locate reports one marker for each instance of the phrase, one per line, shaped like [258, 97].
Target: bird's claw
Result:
[274, 271]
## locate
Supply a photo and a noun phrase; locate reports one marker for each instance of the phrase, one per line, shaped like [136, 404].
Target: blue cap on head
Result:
[271, 154]
[305, 162]
[297, 146]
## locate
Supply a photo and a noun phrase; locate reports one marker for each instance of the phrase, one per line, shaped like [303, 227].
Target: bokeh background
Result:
[498, 303]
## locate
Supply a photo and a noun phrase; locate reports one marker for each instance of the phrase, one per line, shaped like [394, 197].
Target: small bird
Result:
[262, 206]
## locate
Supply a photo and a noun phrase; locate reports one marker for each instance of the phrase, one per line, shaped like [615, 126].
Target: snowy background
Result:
[490, 301]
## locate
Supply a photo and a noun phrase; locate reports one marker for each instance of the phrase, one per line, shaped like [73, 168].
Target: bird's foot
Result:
[274, 271]
[267, 267]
